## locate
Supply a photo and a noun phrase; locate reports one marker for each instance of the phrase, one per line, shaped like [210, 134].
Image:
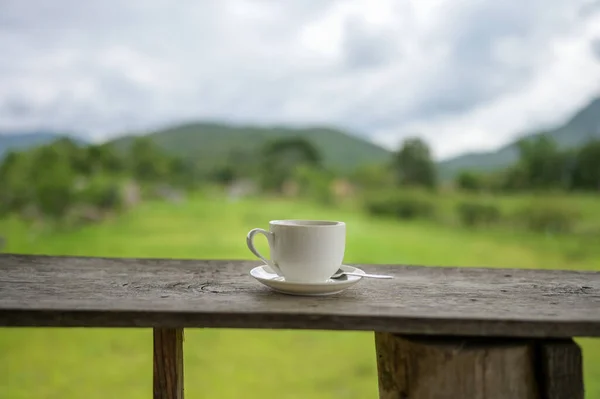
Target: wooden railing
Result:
[440, 332]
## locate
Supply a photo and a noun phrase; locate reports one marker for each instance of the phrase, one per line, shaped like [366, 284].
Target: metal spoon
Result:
[340, 273]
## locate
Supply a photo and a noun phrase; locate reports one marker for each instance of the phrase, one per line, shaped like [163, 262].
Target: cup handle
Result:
[250, 243]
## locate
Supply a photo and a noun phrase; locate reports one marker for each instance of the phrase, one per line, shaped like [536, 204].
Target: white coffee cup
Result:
[303, 251]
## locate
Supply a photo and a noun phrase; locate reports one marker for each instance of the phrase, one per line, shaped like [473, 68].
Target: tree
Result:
[66, 148]
[238, 164]
[9, 164]
[243, 163]
[586, 170]
[281, 157]
[414, 165]
[223, 174]
[148, 163]
[104, 158]
[543, 164]
[315, 183]
[514, 178]
[53, 180]
[470, 181]
[15, 186]
[373, 176]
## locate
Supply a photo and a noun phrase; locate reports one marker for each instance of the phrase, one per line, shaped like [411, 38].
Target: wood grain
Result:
[422, 368]
[175, 293]
[560, 369]
[168, 363]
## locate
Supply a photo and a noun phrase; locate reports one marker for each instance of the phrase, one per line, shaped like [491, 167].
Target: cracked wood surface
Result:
[176, 293]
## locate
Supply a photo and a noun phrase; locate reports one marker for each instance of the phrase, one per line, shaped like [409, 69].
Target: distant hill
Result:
[17, 141]
[213, 143]
[579, 129]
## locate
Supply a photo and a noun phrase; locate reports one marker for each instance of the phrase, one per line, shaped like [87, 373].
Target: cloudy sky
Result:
[464, 74]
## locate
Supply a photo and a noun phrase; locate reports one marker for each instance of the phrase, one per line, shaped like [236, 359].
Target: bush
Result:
[101, 194]
[478, 214]
[400, 205]
[372, 177]
[54, 197]
[470, 181]
[547, 218]
[315, 184]
[14, 198]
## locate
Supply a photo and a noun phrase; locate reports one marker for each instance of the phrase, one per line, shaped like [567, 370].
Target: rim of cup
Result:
[307, 223]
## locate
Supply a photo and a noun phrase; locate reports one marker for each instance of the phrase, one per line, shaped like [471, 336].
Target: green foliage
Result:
[69, 151]
[223, 175]
[15, 188]
[212, 144]
[470, 181]
[512, 179]
[101, 193]
[586, 171]
[281, 157]
[103, 158]
[547, 217]
[414, 165]
[181, 173]
[51, 180]
[542, 164]
[238, 164]
[400, 205]
[472, 213]
[315, 183]
[148, 163]
[55, 191]
[373, 176]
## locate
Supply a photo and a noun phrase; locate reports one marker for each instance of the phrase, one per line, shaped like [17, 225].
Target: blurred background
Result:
[444, 133]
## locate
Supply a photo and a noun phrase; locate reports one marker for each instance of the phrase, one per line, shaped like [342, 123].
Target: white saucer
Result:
[268, 277]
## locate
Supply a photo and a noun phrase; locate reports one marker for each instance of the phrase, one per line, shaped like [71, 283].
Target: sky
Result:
[465, 75]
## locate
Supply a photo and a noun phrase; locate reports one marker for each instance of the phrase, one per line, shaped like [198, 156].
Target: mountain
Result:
[214, 144]
[16, 141]
[578, 130]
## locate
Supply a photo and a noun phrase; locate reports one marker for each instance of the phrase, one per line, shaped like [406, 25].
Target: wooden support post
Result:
[469, 368]
[168, 363]
[560, 369]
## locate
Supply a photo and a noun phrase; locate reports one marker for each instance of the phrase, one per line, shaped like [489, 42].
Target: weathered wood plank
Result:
[79, 291]
[560, 369]
[168, 363]
[425, 368]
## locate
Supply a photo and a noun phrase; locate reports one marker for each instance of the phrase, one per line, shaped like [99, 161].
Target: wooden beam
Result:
[67, 291]
[168, 363]
[427, 368]
[560, 369]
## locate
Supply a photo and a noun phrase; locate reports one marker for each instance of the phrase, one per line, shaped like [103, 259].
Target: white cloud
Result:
[566, 76]
[466, 75]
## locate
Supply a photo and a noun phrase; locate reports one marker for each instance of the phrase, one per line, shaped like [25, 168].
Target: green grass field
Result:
[100, 363]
